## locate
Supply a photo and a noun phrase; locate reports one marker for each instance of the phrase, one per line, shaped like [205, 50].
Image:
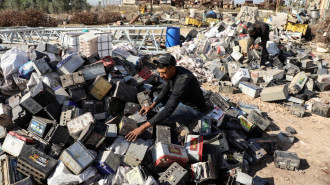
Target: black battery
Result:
[53, 111]
[36, 163]
[8, 170]
[144, 98]
[140, 119]
[26, 181]
[43, 94]
[256, 151]
[93, 135]
[268, 144]
[131, 108]
[126, 125]
[148, 133]
[40, 126]
[14, 100]
[55, 150]
[174, 175]
[258, 119]
[219, 101]
[163, 134]
[57, 134]
[125, 92]
[77, 93]
[93, 106]
[237, 140]
[21, 117]
[114, 105]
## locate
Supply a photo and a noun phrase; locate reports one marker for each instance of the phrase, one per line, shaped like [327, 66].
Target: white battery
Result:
[250, 89]
[164, 154]
[240, 75]
[133, 59]
[5, 115]
[273, 74]
[298, 83]
[41, 66]
[112, 130]
[14, 146]
[135, 154]
[236, 55]
[135, 176]
[30, 104]
[69, 64]
[217, 115]
[194, 147]
[78, 124]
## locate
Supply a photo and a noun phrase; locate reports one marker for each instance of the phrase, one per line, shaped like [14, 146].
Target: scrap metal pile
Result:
[64, 114]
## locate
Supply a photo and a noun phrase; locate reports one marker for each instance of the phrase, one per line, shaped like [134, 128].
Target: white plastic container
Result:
[88, 46]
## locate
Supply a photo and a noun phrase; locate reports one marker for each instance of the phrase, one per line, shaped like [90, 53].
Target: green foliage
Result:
[48, 6]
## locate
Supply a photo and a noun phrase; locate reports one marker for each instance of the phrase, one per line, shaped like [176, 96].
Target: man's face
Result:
[166, 73]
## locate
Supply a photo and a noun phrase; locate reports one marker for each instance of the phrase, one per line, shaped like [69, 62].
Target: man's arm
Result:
[163, 93]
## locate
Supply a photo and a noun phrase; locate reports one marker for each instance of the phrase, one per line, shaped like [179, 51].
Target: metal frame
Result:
[138, 36]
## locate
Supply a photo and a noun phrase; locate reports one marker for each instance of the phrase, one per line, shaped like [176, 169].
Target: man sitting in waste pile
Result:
[185, 101]
[259, 29]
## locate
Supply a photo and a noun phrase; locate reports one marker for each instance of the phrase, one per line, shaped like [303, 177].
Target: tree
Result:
[12, 4]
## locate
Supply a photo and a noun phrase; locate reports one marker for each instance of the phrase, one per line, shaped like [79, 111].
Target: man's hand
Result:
[256, 46]
[132, 136]
[251, 47]
[145, 110]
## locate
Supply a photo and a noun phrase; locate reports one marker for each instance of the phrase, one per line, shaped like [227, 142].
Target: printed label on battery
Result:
[301, 80]
[37, 127]
[193, 144]
[247, 126]
[205, 126]
[174, 150]
[39, 160]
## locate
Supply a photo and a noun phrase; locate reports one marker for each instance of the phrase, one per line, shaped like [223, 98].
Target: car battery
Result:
[69, 64]
[3, 132]
[13, 145]
[69, 80]
[67, 115]
[99, 88]
[22, 136]
[43, 94]
[67, 104]
[55, 150]
[41, 66]
[26, 181]
[164, 154]
[194, 147]
[269, 145]
[250, 89]
[5, 116]
[53, 111]
[135, 154]
[77, 93]
[100, 116]
[107, 162]
[174, 175]
[258, 119]
[246, 124]
[48, 48]
[148, 133]
[136, 176]
[8, 167]
[131, 108]
[205, 126]
[30, 104]
[93, 70]
[78, 124]
[36, 163]
[144, 99]
[237, 140]
[219, 101]
[111, 131]
[77, 157]
[40, 126]
[136, 81]
[126, 125]
[138, 118]
[145, 73]
[14, 100]
[203, 171]
[217, 115]
[57, 135]
[163, 134]
[125, 92]
[219, 142]
[286, 160]
[114, 105]
[256, 151]
[93, 106]
[93, 135]
[108, 62]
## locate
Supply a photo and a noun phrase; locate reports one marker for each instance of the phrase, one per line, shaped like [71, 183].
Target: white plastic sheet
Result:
[12, 60]
[272, 48]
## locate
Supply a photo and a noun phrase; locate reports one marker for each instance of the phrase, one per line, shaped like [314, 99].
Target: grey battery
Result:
[77, 157]
[14, 100]
[126, 125]
[69, 80]
[111, 130]
[258, 119]
[69, 64]
[163, 134]
[93, 70]
[26, 181]
[13, 145]
[5, 116]
[93, 135]
[219, 101]
[8, 167]
[136, 176]
[107, 162]
[30, 104]
[77, 125]
[256, 150]
[135, 154]
[36, 163]
[203, 171]
[48, 48]
[40, 126]
[131, 108]
[41, 66]
[57, 135]
[3, 132]
[174, 175]
[138, 118]
[286, 160]
[67, 115]
[144, 98]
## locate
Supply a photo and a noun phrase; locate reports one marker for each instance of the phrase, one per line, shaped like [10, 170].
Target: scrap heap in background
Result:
[64, 113]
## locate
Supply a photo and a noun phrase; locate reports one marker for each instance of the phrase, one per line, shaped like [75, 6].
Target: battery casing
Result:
[135, 154]
[194, 147]
[174, 175]
[164, 154]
